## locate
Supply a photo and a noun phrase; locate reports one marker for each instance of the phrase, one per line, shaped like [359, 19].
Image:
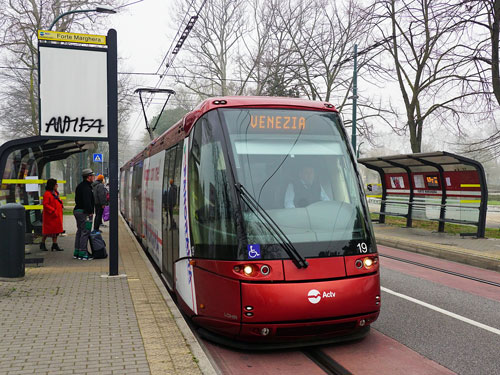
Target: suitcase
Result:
[98, 245]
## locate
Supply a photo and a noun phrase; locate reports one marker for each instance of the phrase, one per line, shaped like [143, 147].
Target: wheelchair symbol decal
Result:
[253, 251]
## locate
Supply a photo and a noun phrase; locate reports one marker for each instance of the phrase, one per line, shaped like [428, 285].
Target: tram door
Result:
[170, 216]
[136, 197]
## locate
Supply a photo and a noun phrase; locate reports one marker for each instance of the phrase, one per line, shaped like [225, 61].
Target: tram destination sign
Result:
[73, 91]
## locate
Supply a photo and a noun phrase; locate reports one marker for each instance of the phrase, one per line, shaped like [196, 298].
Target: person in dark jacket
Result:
[305, 191]
[100, 200]
[169, 201]
[84, 209]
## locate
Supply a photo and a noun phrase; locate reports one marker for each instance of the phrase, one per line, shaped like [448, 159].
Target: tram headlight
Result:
[252, 270]
[368, 262]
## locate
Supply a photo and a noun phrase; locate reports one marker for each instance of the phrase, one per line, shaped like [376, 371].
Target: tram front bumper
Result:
[310, 301]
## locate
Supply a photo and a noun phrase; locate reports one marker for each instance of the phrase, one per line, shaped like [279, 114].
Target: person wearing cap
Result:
[84, 209]
[100, 200]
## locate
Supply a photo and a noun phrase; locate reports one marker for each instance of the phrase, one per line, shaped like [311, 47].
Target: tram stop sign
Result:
[78, 100]
[73, 91]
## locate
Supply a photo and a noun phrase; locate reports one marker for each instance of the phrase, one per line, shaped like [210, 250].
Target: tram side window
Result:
[167, 191]
[210, 204]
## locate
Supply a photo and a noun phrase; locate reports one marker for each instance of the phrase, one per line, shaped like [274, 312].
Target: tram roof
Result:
[420, 162]
[249, 102]
[179, 130]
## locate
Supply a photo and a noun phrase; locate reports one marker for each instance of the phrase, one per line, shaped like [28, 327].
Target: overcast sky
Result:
[145, 32]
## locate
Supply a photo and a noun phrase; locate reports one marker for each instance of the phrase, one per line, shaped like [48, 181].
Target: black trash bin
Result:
[12, 228]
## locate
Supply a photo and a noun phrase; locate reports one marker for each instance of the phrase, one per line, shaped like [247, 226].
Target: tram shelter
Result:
[78, 105]
[22, 162]
[437, 186]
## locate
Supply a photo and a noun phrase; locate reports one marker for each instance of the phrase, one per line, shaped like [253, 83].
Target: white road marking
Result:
[443, 311]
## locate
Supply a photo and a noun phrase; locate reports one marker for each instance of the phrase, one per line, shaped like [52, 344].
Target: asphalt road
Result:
[465, 343]
[493, 217]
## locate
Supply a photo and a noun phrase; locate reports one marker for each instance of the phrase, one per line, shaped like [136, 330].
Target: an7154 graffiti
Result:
[76, 125]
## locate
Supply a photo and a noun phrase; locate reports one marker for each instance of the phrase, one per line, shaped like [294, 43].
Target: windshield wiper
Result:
[277, 233]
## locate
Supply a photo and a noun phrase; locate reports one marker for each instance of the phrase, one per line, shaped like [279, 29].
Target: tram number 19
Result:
[362, 247]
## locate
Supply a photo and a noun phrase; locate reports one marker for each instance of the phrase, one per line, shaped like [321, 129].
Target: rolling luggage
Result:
[98, 245]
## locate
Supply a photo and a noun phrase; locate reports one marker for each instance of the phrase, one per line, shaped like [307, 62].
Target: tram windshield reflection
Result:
[296, 165]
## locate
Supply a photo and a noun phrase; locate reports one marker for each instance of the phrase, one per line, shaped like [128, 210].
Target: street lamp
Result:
[354, 97]
[98, 9]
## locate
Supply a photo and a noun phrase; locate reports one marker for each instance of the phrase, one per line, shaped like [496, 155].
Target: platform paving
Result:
[64, 317]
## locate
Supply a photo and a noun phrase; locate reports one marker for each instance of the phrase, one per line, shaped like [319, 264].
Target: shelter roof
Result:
[43, 149]
[420, 162]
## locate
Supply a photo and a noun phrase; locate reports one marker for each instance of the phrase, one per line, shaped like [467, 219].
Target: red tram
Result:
[253, 209]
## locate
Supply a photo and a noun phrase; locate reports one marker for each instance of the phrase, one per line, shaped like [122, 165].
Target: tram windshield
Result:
[296, 165]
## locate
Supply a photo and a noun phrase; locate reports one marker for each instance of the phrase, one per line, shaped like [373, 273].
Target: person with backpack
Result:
[52, 215]
[100, 200]
[84, 209]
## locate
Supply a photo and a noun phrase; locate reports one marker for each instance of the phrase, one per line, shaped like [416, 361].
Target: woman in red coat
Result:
[52, 216]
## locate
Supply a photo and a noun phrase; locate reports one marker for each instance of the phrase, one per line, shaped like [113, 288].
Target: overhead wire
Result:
[148, 100]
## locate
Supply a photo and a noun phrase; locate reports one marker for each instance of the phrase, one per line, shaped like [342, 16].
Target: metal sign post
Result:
[112, 59]
[78, 90]
[354, 97]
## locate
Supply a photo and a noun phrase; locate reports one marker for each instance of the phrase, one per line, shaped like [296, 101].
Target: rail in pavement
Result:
[479, 252]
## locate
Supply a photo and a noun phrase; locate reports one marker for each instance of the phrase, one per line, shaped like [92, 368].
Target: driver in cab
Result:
[304, 191]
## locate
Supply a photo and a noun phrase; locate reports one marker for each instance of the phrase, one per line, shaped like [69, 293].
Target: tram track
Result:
[423, 265]
[325, 362]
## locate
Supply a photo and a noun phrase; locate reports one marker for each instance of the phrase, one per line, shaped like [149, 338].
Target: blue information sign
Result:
[97, 158]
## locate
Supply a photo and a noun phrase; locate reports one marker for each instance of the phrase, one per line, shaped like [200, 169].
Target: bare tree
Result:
[322, 35]
[426, 50]
[211, 48]
[280, 48]
[20, 20]
[257, 52]
[482, 18]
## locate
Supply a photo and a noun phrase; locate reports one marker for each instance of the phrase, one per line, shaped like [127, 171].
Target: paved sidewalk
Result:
[479, 252]
[65, 318]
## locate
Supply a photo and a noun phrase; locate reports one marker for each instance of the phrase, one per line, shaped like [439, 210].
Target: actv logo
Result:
[314, 296]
